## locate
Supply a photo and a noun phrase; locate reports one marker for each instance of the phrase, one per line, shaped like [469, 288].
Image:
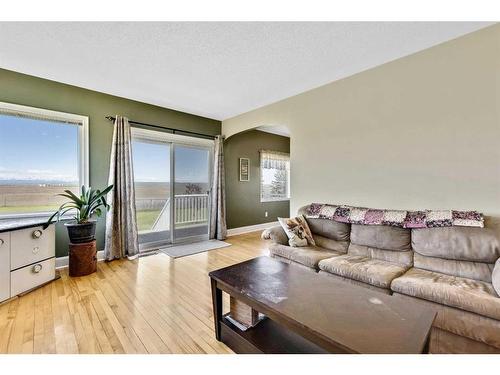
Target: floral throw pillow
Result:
[297, 230]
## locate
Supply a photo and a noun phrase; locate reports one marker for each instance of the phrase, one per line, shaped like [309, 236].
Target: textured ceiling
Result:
[217, 70]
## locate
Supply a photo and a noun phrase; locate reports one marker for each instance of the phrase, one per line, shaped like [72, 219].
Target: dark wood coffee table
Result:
[314, 313]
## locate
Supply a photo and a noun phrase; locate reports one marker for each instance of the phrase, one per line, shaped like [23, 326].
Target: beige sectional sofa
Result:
[449, 269]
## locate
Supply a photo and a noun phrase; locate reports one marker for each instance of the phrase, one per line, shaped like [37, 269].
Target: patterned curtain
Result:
[218, 227]
[121, 225]
[274, 160]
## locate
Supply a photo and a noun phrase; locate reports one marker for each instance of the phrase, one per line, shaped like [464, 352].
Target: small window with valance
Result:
[274, 176]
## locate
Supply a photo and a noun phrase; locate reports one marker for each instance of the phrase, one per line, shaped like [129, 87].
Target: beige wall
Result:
[419, 132]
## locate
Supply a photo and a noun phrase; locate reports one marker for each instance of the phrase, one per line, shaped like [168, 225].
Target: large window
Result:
[274, 176]
[42, 153]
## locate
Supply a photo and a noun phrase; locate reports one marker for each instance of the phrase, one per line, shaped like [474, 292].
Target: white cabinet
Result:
[30, 277]
[31, 245]
[27, 260]
[4, 266]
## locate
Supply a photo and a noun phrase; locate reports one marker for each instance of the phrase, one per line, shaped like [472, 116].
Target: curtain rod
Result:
[174, 131]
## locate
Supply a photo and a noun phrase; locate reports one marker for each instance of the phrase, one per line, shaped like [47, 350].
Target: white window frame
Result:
[83, 143]
[264, 200]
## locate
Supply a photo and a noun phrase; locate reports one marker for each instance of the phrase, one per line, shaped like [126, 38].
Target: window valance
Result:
[274, 160]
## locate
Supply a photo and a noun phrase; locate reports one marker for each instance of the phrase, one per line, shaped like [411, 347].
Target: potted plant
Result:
[90, 202]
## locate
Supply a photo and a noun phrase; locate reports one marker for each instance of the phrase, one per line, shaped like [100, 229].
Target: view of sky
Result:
[152, 163]
[32, 149]
[267, 175]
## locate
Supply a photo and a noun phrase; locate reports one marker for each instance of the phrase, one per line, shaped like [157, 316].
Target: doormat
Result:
[179, 251]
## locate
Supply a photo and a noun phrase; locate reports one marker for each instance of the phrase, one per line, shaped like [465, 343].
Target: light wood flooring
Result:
[151, 305]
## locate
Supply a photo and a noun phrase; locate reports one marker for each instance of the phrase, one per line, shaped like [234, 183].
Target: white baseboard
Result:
[62, 262]
[251, 228]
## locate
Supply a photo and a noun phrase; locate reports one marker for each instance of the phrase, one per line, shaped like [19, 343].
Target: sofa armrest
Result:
[275, 234]
[495, 277]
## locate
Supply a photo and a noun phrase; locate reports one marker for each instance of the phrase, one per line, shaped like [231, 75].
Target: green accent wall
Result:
[37, 92]
[243, 203]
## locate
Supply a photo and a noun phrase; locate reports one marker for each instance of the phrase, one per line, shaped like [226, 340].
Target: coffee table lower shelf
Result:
[267, 337]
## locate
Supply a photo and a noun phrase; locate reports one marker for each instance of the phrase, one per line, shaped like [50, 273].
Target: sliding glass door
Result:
[151, 160]
[191, 188]
[172, 187]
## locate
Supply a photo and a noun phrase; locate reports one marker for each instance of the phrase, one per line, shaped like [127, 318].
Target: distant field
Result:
[30, 198]
[27, 209]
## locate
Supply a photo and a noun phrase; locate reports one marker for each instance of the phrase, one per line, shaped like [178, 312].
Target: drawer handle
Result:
[36, 234]
[1, 242]
[36, 250]
[36, 268]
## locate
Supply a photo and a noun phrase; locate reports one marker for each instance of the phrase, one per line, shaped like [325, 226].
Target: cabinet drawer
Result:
[29, 277]
[27, 248]
[4, 266]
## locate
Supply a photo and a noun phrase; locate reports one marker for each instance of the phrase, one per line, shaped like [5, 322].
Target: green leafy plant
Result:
[90, 202]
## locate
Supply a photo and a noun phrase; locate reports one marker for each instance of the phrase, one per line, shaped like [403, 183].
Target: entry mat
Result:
[179, 251]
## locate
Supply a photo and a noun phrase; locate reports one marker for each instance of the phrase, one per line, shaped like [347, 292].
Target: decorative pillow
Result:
[297, 230]
[342, 214]
[495, 277]
[467, 218]
[394, 218]
[374, 217]
[435, 219]
[415, 219]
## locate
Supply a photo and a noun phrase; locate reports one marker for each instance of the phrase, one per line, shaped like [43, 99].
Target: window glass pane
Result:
[152, 189]
[275, 176]
[32, 170]
[191, 192]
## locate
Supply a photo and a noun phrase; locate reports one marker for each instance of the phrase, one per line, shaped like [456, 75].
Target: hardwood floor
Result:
[151, 305]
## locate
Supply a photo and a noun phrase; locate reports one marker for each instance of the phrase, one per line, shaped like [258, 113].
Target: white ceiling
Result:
[275, 129]
[217, 70]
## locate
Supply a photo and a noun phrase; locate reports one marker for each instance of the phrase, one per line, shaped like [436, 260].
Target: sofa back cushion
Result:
[331, 229]
[381, 237]
[329, 244]
[382, 242]
[457, 243]
[458, 251]
[471, 270]
[404, 258]
[329, 234]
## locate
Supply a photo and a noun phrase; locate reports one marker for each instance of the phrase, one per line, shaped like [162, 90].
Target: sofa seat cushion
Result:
[308, 255]
[460, 322]
[355, 282]
[280, 250]
[470, 295]
[444, 342]
[371, 271]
